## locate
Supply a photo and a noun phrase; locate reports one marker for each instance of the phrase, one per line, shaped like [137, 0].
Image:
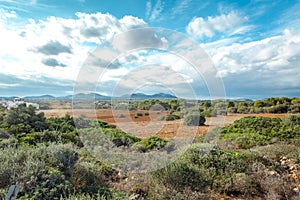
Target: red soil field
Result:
[145, 126]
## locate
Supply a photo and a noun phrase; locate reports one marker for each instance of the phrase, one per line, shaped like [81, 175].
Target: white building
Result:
[16, 102]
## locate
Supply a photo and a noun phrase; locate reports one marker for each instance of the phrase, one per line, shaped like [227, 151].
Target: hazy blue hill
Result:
[89, 96]
[42, 97]
[142, 96]
[96, 96]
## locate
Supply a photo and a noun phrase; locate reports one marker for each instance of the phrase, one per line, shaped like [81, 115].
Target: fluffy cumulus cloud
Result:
[271, 64]
[55, 47]
[231, 22]
[138, 39]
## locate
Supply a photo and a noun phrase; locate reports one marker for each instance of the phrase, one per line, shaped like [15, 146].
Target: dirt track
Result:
[145, 126]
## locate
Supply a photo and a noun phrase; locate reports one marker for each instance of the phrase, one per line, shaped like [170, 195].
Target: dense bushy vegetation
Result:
[194, 119]
[169, 117]
[151, 143]
[254, 158]
[213, 108]
[44, 157]
[204, 170]
[269, 105]
[252, 131]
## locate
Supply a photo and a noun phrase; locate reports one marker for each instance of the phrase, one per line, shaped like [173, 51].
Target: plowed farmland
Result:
[148, 124]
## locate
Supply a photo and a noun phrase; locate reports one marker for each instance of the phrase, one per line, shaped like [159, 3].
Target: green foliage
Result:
[82, 122]
[157, 107]
[49, 137]
[151, 143]
[275, 151]
[232, 110]
[207, 104]
[277, 109]
[111, 194]
[91, 177]
[204, 167]
[181, 175]
[292, 120]
[138, 114]
[170, 117]
[10, 142]
[49, 168]
[230, 104]
[107, 136]
[295, 108]
[23, 119]
[119, 137]
[42, 172]
[253, 131]
[194, 119]
[220, 108]
[210, 112]
[217, 107]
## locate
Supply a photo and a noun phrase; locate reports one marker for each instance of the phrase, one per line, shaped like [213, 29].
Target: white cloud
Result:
[271, 63]
[148, 9]
[33, 49]
[200, 27]
[153, 13]
[4, 15]
[159, 75]
[138, 39]
[181, 6]
[6, 85]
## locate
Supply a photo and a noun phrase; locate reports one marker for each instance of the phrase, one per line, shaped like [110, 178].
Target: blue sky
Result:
[254, 46]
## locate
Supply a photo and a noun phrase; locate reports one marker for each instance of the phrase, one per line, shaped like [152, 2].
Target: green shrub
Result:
[277, 109]
[295, 108]
[110, 194]
[169, 117]
[157, 107]
[205, 167]
[232, 110]
[23, 119]
[10, 142]
[146, 114]
[194, 120]
[49, 137]
[138, 114]
[81, 122]
[119, 137]
[209, 112]
[42, 171]
[292, 120]
[254, 131]
[151, 143]
[179, 176]
[275, 151]
[97, 136]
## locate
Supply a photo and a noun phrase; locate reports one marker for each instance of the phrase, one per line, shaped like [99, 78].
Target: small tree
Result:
[24, 119]
[194, 119]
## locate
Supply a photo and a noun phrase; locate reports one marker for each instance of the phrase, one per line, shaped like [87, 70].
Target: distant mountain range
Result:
[99, 97]
[96, 96]
[142, 96]
[42, 97]
[243, 100]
